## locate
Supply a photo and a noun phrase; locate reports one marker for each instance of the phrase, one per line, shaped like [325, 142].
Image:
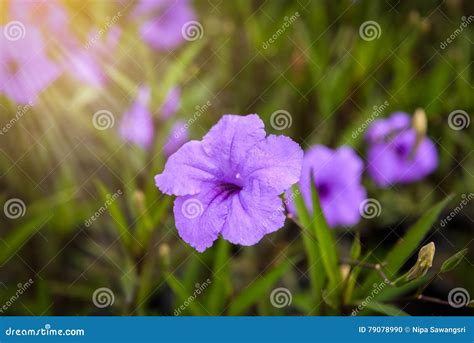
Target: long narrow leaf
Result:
[316, 271]
[327, 245]
[260, 288]
[406, 246]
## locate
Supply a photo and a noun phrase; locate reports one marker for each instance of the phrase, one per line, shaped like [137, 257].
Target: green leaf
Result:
[221, 283]
[356, 248]
[20, 235]
[386, 309]
[355, 271]
[116, 214]
[453, 261]
[260, 288]
[407, 244]
[184, 297]
[316, 271]
[180, 68]
[325, 237]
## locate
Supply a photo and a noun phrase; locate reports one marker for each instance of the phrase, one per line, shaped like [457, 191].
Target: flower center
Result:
[12, 67]
[229, 189]
[323, 189]
[401, 150]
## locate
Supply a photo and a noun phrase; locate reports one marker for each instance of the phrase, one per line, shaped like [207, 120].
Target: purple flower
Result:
[164, 22]
[47, 14]
[171, 103]
[25, 68]
[394, 156]
[337, 175]
[86, 63]
[137, 123]
[178, 136]
[229, 183]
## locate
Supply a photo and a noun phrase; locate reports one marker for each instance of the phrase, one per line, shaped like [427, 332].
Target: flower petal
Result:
[381, 128]
[199, 218]
[253, 213]
[187, 170]
[229, 141]
[275, 162]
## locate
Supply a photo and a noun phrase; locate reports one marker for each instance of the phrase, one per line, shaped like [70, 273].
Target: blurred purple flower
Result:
[229, 183]
[137, 123]
[337, 175]
[178, 136]
[171, 103]
[86, 63]
[164, 20]
[45, 14]
[25, 68]
[393, 156]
